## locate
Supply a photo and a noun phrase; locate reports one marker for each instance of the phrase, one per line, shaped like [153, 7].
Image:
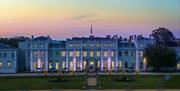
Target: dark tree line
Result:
[13, 41]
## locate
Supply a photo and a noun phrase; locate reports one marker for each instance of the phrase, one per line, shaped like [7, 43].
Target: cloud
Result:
[82, 16]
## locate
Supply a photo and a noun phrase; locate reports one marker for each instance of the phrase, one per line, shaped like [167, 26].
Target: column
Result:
[81, 59]
[46, 66]
[102, 60]
[74, 60]
[39, 59]
[109, 59]
[116, 58]
[67, 60]
[31, 61]
[137, 60]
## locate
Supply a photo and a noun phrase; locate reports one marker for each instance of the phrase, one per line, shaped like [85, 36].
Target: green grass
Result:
[141, 82]
[36, 83]
[41, 83]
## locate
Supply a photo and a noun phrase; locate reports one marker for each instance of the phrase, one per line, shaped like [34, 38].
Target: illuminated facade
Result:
[78, 54]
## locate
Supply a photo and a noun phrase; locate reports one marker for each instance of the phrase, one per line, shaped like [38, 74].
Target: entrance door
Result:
[91, 65]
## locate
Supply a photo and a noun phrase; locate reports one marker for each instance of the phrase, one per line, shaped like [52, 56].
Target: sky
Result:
[62, 19]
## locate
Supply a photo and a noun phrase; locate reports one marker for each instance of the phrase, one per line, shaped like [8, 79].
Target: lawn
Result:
[36, 83]
[141, 82]
[41, 83]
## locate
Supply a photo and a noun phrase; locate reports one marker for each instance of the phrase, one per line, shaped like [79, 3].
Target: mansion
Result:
[76, 54]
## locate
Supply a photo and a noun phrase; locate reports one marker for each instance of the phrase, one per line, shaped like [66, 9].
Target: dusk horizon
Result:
[64, 19]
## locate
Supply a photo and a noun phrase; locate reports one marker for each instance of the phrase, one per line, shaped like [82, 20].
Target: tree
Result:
[160, 57]
[163, 37]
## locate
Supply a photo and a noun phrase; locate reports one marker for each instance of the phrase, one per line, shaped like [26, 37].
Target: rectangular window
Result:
[120, 64]
[63, 65]
[71, 65]
[141, 53]
[77, 53]
[105, 64]
[1, 64]
[57, 65]
[112, 53]
[35, 53]
[105, 53]
[42, 64]
[78, 64]
[141, 65]
[132, 53]
[84, 53]
[71, 53]
[133, 64]
[84, 64]
[98, 53]
[126, 53]
[63, 53]
[120, 53]
[35, 65]
[50, 65]
[57, 53]
[126, 64]
[12, 55]
[5, 55]
[91, 53]
[112, 64]
[99, 64]
[42, 54]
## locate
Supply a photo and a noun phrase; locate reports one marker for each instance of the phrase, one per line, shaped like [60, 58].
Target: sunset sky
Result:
[66, 18]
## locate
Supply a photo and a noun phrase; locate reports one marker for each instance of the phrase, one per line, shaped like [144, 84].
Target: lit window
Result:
[84, 53]
[71, 53]
[57, 53]
[1, 64]
[35, 53]
[178, 66]
[98, 53]
[91, 63]
[42, 54]
[63, 64]
[105, 53]
[71, 65]
[50, 65]
[77, 53]
[9, 64]
[112, 53]
[141, 53]
[98, 64]
[35, 65]
[112, 64]
[78, 64]
[57, 65]
[126, 53]
[84, 64]
[63, 54]
[42, 64]
[12, 55]
[91, 53]
[120, 64]
[105, 64]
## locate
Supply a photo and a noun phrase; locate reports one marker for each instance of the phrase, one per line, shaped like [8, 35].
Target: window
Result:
[105, 53]
[78, 64]
[120, 64]
[141, 65]
[57, 53]
[63, 54]
[42, 53]
[98, 45]
[112, 53]
[1, 64]
[112, 64]
[35, 53]
[105, 64]
[133, 64]
[12, 55]
[5, 55]
[178, 66]
[63, 64]
[71, 53]
[50, 53]
[91, 53]
[70, 45]
[35, 65]
[98, 53]
[120, 53]
[50, 65]
[0, 55]
[126, 64]
[9, 64]
[132, 53]
[84, 53]
[42, 64]
[91, 45]
[71, 65]
[84, 45]
[126, 53]
[57, 65]
[77, 53]
[98, 64]
[141, 53]
[84, 64]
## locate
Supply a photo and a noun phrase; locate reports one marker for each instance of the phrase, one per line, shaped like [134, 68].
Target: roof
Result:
[5, 46]
[42, 38]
